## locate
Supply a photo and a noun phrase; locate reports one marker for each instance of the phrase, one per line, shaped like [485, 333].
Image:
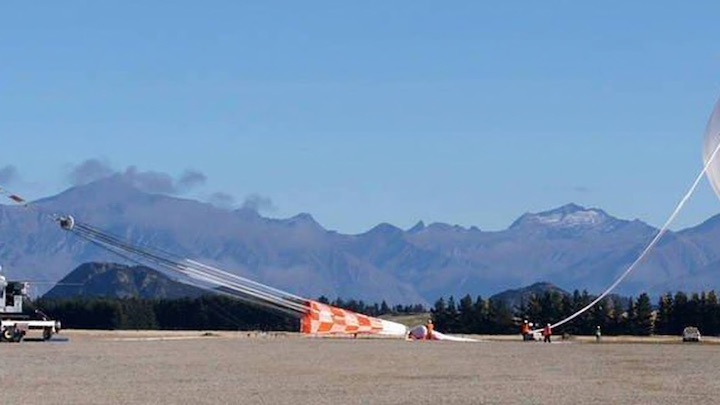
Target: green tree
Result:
[453, 316]
[615, 321]
[664, 315]
[440, 314]
[534, 309]
[600, 314]
[641, 317]
[551, 304]
[384, 308]
[481, 312]
[679, 313]
[468, 318]
[500, 318]
[712, 315]
[693, 312]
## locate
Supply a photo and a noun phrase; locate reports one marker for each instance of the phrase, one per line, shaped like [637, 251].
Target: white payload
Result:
[421, 333]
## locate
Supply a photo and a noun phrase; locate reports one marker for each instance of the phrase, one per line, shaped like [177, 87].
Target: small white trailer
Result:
[15, 321]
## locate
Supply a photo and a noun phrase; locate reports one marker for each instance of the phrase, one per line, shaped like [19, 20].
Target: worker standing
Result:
[430, 329]
[598, 334]
[525, 331]
[547, 333]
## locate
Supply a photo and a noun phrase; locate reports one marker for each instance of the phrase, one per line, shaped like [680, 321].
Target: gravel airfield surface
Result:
[87, 367]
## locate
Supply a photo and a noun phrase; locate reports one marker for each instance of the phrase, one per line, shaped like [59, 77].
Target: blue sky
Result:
[470, 113]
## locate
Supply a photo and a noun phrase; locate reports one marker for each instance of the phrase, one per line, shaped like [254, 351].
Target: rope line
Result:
[208, 277]
[183, 269]
[663, 230]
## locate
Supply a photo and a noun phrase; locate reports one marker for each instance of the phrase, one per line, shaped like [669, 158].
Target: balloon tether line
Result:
[663, 230]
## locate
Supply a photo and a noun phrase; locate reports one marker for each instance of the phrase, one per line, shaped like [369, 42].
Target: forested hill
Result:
[112, 280]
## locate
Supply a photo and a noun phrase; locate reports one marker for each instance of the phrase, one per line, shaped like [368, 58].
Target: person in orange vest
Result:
[430, 329]
[525, 331]
[547, 332]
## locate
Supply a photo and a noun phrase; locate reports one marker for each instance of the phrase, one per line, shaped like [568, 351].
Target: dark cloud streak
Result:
[581, 189]
[258, 203]
[191, 179]
[150, 181]
[88, 171]
[222, 200]
[9, 174]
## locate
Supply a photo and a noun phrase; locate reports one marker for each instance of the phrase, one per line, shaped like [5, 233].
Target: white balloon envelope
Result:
[710, 144]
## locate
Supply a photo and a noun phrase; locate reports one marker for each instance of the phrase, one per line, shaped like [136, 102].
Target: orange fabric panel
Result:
[325, 319]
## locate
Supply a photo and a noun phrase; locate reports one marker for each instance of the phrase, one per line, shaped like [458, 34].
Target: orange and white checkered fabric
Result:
[325, 319]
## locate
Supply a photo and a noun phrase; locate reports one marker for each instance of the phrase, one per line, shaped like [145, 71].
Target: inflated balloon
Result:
[711, 168]
[710, 146]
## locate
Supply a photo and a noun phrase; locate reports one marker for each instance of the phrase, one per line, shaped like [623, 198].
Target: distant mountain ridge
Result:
[571, 246]
[112, 280]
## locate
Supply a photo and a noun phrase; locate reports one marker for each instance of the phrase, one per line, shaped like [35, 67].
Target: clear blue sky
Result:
[470, 113]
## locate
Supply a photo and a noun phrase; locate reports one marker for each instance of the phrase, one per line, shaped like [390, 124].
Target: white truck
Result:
[15, 322]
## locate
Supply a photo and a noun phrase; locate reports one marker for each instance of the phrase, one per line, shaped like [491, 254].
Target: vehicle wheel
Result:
[8, 333]
[47, 333]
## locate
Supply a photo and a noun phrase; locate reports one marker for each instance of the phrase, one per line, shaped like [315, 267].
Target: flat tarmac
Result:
[95, 367]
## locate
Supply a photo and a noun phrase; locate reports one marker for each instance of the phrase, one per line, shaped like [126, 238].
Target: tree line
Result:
[208, 312]
[614, 315]
[375, 309]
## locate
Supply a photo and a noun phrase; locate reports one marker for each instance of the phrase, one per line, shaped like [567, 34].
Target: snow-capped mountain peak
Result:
[567, 216]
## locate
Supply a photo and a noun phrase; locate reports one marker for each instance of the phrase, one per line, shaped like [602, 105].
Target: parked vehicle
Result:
[15, 320]
[691, 334]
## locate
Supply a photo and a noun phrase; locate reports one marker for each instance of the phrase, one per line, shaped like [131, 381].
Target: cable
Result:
[221, 281]
[663, 230]
[204, 276]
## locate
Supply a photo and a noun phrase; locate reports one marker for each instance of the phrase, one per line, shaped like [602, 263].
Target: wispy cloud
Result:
[9, 174]
[580, 189]
[191, 179]
[222, 200]
[258, 203]
[147, 180]
[88, 171]
[150, 181]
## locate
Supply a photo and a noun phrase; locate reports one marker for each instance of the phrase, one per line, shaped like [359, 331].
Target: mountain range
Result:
[112, 280]
[571, 246]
